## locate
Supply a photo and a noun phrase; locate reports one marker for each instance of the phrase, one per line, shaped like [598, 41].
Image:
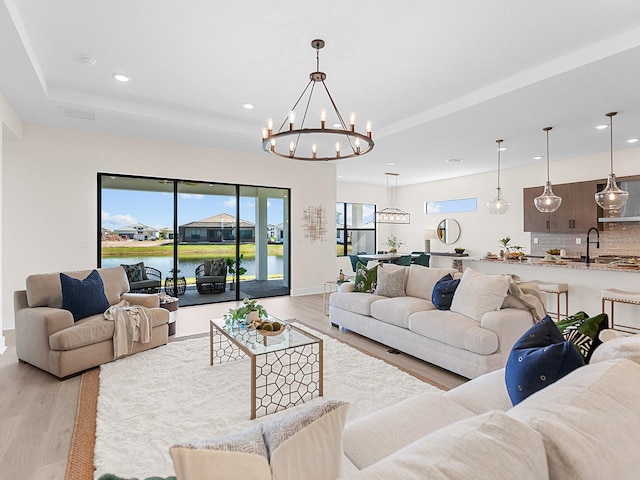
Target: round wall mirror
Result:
[448, 231]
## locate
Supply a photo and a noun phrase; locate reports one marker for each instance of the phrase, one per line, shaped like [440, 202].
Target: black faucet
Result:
[597, 242]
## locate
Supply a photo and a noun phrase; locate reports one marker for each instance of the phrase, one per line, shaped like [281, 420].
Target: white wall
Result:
[50, 198]
[10, 127]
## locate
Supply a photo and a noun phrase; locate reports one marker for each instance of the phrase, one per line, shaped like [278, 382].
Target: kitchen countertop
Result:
[538, 262]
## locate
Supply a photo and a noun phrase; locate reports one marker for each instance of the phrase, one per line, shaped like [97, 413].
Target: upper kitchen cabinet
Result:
[577, 213]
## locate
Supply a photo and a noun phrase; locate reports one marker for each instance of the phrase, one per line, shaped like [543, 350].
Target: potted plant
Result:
[233, 267]
[394, 243]
[507, 252]
[249, 311]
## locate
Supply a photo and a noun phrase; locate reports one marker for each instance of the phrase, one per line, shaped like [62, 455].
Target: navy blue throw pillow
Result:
[83, 297]
[443, 291]
[539, 358]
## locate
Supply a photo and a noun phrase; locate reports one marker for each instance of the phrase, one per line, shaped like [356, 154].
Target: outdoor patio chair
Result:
[211, 276]
[143, 279]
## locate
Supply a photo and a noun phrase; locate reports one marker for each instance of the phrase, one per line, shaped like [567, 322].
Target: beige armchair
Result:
[48, 338]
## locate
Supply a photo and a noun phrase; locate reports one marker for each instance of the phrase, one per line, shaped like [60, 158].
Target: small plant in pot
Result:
[394, 243]
[248, 312]
[233, 267]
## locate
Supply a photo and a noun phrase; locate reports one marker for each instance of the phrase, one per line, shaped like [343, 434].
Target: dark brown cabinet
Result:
[577, 213]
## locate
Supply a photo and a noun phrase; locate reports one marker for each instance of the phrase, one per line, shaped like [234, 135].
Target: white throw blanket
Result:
[132, 324]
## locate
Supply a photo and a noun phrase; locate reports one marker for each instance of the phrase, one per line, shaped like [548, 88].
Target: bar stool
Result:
[557, 289]
[614, 295]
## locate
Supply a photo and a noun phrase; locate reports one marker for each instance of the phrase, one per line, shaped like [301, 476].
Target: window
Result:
[355, 228]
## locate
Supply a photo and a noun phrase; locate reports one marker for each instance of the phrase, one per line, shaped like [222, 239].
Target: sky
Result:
[121, 208]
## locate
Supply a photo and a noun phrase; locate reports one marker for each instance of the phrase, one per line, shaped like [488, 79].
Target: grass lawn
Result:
[185, 251]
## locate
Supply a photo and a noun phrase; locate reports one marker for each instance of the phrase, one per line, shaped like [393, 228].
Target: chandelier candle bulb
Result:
[337, 149]
[264, 133]
[292, 148]
[314, 150]
[323, 117]
[368, 128]
[270, 125]
[357, 143]
[292, 119]
[352, 121]
[273, 144]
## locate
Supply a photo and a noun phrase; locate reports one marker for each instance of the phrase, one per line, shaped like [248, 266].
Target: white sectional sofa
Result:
[471, 343]
[584, 426]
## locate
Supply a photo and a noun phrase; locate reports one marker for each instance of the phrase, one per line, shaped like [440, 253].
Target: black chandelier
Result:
[339, 142]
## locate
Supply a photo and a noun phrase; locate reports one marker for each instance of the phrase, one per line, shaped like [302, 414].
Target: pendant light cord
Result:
[546, 129]
[499, 142]
[611, 141]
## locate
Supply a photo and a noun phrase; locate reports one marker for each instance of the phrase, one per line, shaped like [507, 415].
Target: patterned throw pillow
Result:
[83, 297]
[217, 268]
[135, 273]
[390, 281]
[539, 358]
[366, 280]
[443, 292]
[583, 331]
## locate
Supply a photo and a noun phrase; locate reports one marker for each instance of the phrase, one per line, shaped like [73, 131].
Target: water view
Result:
[188, 267]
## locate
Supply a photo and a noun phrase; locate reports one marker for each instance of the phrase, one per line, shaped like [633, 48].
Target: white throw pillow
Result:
[307, 444]
[478, 293]
[422, 280]
[487, 446]
[621, 347]
[241, 455]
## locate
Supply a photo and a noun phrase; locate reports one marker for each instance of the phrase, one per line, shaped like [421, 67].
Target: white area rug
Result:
[154, 399]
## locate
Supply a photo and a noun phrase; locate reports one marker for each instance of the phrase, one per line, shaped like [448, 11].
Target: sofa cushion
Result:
[583, 331]
[366, 279]
[589, 421]
[83, 297]
[422, 280]
[355, 302]
[483, 393]
[443, 292]
[399, 425]
[539, 358]
[95, 329]
[478, 293]
[488, 446]
[396, 311]
[621, 347]
[391, 281]
[454, 329]
[44, 289]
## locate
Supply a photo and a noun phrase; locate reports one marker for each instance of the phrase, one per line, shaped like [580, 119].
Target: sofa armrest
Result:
[346, 287]
[508, 324]
[148, 300]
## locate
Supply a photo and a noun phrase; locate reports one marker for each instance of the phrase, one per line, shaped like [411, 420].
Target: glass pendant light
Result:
[548, 202]
[612, 198]
[499, 205]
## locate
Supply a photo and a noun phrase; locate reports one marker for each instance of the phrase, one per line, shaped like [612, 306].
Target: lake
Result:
[188, 267]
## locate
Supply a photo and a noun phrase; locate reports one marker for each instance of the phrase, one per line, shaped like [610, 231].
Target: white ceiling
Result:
[439, 79]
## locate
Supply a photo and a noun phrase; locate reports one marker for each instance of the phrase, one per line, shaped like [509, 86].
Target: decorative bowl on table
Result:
[267, 328]
[459, 250]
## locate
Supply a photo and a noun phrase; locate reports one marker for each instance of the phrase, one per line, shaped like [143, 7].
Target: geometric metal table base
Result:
[285, 373]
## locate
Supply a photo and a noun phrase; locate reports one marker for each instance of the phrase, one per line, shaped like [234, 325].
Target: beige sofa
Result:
[457, 342]
[584, 426]
[48, 338]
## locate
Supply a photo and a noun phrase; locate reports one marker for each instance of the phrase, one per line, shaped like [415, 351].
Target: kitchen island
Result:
[586, 281]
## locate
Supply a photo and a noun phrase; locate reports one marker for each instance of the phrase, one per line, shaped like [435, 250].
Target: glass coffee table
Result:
[286, 370]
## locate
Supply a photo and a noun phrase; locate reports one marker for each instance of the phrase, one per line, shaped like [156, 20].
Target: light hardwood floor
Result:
[37, 411]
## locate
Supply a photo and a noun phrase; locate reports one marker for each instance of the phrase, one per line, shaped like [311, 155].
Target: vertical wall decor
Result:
[315, 223]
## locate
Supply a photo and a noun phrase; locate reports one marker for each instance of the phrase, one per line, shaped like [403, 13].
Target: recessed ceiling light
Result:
[391, 163]
[502, 149]
[538, 157]
[337, 125]
[120, 77]
[339, 176]
[248, 106]
[632, 140]
[601, 127]
[454, 160]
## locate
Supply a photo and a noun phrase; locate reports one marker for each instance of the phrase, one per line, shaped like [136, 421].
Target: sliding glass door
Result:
[181, 228]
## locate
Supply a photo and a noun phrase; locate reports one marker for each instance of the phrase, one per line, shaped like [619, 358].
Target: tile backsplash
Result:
[616, 239]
